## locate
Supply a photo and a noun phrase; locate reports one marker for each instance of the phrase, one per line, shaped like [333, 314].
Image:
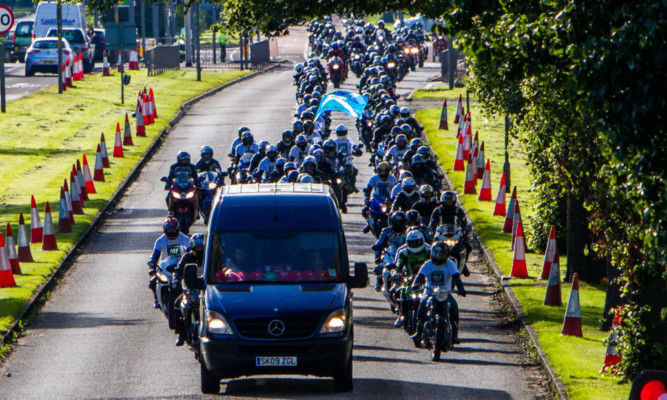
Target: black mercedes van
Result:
[276, 288]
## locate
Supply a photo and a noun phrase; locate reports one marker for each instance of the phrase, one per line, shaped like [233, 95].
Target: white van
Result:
[73, 15]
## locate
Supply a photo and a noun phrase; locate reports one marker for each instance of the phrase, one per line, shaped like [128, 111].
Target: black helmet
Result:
[243, 129]
[439, 253]
[171, 228]
[448, 197]
[288, 134]
[183, 157]
[397, 221]
[297, 125]
[206, 152]
[413, 218]
[197, 242]
[341, 130]
[405, 112]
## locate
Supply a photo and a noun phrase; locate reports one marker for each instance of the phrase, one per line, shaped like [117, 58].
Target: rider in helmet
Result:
[448, 213]
[309, 167]
[194, 255]
[300, 150]
[426, 204]
[412, 121]
[438, 272]
[269, 162]
[285, 145]
[171, 243]
[407, 197]
[409, 259]
[237, 141]
[390, 240]
[381, 183]
[182, 164]
[383, 130]
[207, 162]
[396, 152]
[246, 150]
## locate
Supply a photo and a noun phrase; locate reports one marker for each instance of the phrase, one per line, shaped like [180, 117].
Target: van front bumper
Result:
[236, 357]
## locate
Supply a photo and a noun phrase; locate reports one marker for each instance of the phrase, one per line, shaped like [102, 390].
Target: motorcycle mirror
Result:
[163, 179]
[223, 173]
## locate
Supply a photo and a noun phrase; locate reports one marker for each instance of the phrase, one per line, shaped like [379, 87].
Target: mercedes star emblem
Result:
[276, 327]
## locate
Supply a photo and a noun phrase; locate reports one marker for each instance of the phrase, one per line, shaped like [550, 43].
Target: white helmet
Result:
[415, 241]
[409, 186]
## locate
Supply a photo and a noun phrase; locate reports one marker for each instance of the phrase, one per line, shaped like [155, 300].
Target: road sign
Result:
[6, 19]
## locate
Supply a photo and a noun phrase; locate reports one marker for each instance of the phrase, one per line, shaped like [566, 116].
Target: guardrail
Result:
[162, 58]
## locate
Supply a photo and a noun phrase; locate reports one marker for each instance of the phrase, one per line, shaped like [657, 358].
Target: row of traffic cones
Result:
[133, 63]
[73, 194]
[72, 72]
[470, 158]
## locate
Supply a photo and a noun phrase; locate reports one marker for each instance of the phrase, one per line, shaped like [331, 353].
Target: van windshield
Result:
[274, 257]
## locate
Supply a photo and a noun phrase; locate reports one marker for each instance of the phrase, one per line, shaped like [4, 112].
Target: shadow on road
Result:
[59, 320]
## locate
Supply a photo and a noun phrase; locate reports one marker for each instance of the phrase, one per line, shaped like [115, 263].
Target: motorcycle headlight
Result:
[415, 50]
[335, 322]
[189, 194]
[384, 208]
[335, 66]
[212, 185]
[441, 294]
[451, 243]
[391, 65]
[176, 195]
[407, 51]
[216, 323]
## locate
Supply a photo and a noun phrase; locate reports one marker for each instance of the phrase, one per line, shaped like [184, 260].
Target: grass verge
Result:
[43, 134]
[577, 361]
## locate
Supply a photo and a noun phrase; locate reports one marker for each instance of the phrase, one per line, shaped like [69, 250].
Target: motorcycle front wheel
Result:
[441, 335]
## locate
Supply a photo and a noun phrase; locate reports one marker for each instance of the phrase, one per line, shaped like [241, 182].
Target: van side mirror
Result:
[191, 279]
[360, 278]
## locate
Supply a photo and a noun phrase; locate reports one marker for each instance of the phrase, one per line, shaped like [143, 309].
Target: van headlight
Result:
[216, 323]
[335, 322]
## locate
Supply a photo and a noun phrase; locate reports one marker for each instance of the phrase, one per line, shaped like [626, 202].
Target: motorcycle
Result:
[453, 236]
[166, 295]
[413, 55]
[377, 215]
[406, 301]
[182, 200]
[210, 182]
[437, 335]
[190, 308]
[336, 71]
[356, 64]
[365, 128]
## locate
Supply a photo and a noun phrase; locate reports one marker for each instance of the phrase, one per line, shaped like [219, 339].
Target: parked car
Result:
[80, 43]
[42, 55]
[410, 23]
[7, 49]
[99, 40]
[21, 39]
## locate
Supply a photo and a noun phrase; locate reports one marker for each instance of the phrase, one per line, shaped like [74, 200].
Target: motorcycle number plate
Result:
[275, 361]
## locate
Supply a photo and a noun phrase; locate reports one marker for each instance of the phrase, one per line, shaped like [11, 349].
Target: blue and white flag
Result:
[340, 100]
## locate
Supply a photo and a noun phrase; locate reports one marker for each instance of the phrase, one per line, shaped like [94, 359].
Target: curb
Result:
[101, 215]
[516, 305]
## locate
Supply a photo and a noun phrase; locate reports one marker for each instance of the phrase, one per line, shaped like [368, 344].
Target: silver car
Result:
[42, 56]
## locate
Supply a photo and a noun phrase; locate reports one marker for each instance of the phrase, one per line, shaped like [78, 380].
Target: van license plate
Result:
[275, 361]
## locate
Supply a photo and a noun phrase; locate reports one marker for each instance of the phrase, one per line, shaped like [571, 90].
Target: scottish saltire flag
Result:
[340, 100]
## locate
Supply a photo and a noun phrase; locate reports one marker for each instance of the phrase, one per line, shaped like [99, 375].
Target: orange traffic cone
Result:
[515, 222]
[74, 178]
[553, 297]
[485, 191]
[611, 357]
[68, 74]
[64, 79]
[467, 145]
[25, 255]
[458, 161]
[11, 251]
[127, 133]
[572, 322]
[75, 68]
[443, 117]
[68, 202]
[509, 218]
[82, 182]
[36, 229]
[105, 65]
[49, 239]
[77, 207]
[120, 61]
[519, 260]
[461, 121]
[99, 170]
[147, 107]
[139, 115]
[105, 153]
[118, 146]
[64, 224]
[479, 161]
[475, 145]
[80, 67]
[87, 178]
[153, 108]
[549, 253]
[469, 187]
[6, 274]
[459, 105]
[500, 198]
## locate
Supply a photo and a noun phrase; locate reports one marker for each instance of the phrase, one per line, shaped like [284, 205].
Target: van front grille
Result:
[276, 328]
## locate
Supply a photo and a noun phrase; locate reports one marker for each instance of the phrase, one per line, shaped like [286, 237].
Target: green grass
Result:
[20, 12]
[43, 134]
[206, 38]
[576, 360]
[441, 92]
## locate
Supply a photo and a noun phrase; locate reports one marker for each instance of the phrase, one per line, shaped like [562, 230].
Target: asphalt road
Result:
[99, 337]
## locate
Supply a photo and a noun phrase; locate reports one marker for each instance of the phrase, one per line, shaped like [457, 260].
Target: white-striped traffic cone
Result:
[82, 183]
[500, 198]
[572, 322]
[68, 199]
[74, 195]
[519, 269]
[49, 240]
[64, 223]
[105, 65]
[6, 274]
[479, 161]
[509, 218]
[68, 73]
[549, 253]
[151, 98]
[443, 117]
[516, 221]
[24, 252]
[458, 160]
[105, 153]
[139, 116]
[611, 357]
[11, 252]
[485, 191]
[459, 106]
[553, 295]
[75, 68]
[99, 167]
[470, 185]
[118, 145]
[120, 61]
[127, 133]
[36, 229]
[87, 177]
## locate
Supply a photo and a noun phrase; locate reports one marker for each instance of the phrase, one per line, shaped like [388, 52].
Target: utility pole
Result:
[142, 6]
[156, 26]
[506, 167]
[188, 37]
[59, 22]
[197, 43]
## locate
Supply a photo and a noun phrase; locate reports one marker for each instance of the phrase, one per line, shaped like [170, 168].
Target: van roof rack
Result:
[275, 188]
